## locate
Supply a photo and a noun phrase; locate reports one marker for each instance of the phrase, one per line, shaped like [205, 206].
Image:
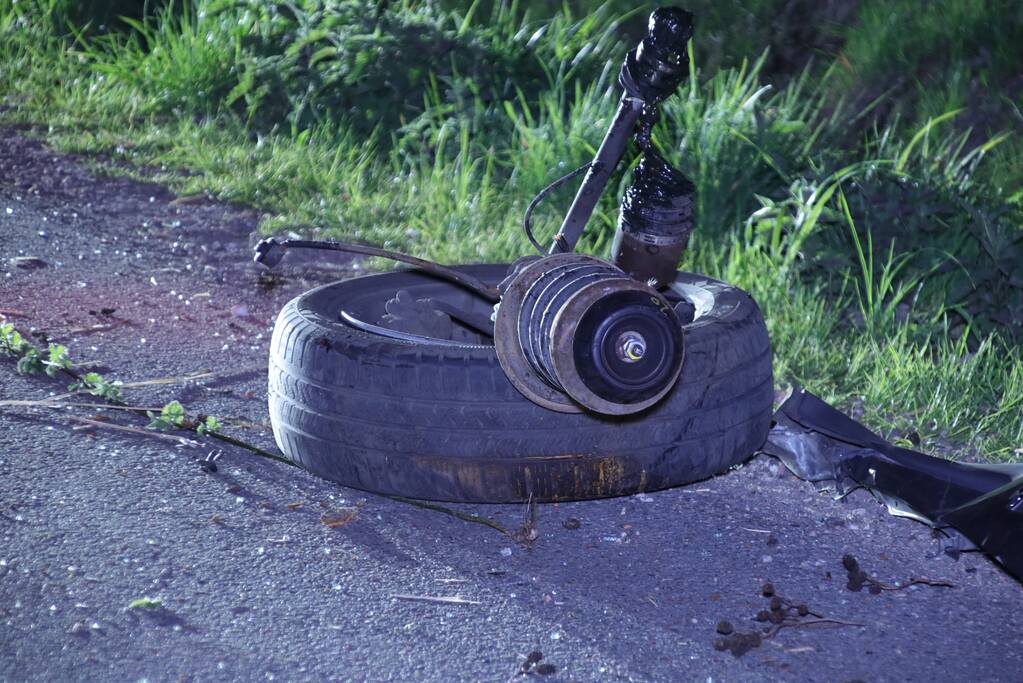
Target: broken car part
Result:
[591, 378]
[574, 332]
[650, 73]
[983, 503]
[594, 379]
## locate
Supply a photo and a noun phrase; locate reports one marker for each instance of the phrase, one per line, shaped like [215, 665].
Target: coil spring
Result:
[541, 304]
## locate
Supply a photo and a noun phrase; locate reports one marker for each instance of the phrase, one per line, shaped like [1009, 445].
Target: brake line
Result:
[270, 251]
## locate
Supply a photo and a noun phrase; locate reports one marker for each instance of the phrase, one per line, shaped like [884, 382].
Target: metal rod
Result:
[601, 168]
[270, 251]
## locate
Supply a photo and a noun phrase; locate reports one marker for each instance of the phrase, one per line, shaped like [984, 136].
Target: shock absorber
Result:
[655, 221]
[650, 73]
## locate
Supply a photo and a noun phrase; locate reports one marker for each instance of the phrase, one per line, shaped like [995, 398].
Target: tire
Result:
[444, 422]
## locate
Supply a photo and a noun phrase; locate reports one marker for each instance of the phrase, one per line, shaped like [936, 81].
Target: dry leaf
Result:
[338, 518]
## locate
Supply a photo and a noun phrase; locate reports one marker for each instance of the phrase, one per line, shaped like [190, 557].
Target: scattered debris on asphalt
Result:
[781, 613]
[28, 262]
[532, 665]
[339, 518]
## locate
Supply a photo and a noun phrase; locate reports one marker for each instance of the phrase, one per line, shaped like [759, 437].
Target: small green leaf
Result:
[58, 360]
[174, 413]
[146, 603]
[208, 426]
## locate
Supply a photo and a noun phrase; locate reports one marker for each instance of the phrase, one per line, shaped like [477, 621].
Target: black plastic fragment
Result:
[984, 503]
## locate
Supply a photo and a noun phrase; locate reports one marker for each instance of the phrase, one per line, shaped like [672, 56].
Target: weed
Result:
[171, 416]
[146, 603]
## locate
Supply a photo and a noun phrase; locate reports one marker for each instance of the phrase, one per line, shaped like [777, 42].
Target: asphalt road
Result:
[252, 585]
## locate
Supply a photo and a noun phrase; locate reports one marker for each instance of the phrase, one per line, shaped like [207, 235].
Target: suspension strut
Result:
[574, 332]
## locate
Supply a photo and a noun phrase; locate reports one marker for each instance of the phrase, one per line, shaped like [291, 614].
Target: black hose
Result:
[527, 219]
[270, 251]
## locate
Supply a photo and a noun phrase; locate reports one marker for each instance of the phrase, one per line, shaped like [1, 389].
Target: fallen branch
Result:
[57, 402]
[184, 379]
[115, 403]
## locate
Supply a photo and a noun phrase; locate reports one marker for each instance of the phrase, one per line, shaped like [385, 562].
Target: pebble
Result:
[28, 262]
[79, 628]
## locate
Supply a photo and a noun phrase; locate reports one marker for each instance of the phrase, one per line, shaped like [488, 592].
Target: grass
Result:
[868, 198]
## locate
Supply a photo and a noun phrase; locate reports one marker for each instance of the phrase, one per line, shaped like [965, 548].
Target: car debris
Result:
[609, 339]
[976, 506]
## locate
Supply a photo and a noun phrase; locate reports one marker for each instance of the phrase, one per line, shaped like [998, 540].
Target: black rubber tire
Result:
[444, 423]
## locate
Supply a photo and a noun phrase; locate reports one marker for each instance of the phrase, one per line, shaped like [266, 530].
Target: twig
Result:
[252, 449]
[810, 622]
[89, 329]
[940, 583]
[54, 402]
[439, 599]
[180, 440]
[464, 516]
[183, 379]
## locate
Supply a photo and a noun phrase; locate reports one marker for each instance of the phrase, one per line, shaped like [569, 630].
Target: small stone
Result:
[802, 610]
[767, 590]
[776, 603]
[571, 523]
[850, 563]
[725, 628]
[28, 262]
[80, 628]
[546, 669]
[506, 552]
[763, 615]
